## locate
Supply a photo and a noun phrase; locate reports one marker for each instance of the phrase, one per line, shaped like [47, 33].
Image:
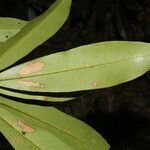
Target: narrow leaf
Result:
[9, 27]
[33, 97]
[36, 127]
[93, 66]
[34, 33]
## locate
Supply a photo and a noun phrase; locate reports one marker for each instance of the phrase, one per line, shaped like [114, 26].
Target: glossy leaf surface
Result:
[93, 66]
[36, 127]
[9, 27]
[34, 33]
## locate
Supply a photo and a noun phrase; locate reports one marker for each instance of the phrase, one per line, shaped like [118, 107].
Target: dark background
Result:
[121, 113]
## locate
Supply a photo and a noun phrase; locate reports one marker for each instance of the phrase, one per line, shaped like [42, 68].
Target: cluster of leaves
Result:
[24, 124]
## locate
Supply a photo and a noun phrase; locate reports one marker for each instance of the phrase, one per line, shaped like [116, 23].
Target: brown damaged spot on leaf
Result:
[94, 84]
[47, 98]
[25, 128]
[30, 83]
[32, 68]
[82, 81]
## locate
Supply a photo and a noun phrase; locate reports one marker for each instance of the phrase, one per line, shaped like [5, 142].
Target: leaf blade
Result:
[62, 128]
[68, 71]
[9, 27]
[32, 36]
[34, 97]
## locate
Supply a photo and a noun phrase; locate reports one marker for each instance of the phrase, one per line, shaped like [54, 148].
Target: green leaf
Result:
[33, 97]
[9, 27]
[34, 33]
[36, 127]
[93, 66]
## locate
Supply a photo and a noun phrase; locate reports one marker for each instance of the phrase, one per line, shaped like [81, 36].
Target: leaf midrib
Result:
[19, 132]
[80, 68]
[89, 146]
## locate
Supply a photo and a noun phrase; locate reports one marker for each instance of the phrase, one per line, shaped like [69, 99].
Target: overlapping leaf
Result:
[28, 96]
[34, 33]
[94, 66]
[36, 127]
[9, 27]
